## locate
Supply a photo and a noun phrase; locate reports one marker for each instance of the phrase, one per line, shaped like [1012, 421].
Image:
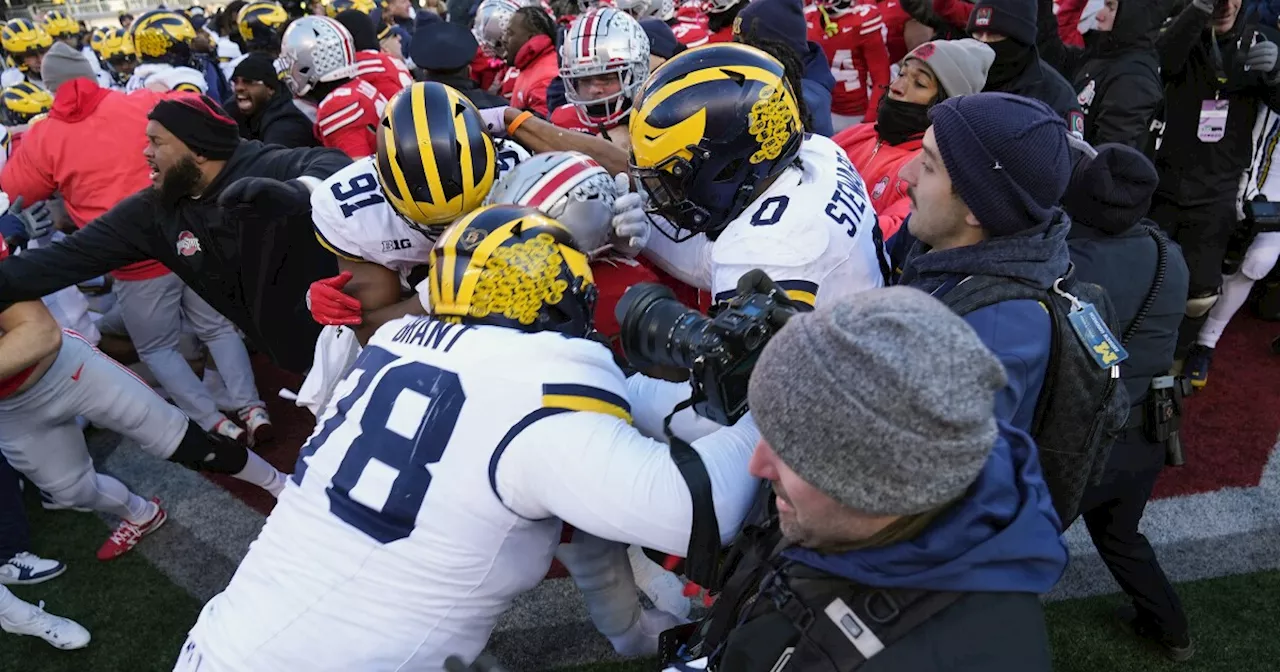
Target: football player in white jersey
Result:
[162, 42]
[381, 214]
[432, 493]
[718, 145]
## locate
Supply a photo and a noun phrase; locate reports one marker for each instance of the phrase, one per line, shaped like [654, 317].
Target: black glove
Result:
[264, 198]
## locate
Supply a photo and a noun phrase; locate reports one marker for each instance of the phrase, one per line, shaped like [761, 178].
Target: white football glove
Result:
[495, 121]
[630, 223]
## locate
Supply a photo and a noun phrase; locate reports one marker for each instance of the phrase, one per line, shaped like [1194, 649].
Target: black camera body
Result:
[719, 351]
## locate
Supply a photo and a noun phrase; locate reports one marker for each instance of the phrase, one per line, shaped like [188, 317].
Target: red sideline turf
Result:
[1231, 424]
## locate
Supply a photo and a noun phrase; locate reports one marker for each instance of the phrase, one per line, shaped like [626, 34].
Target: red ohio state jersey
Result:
[614, 275]
[347, 118]
[690, 26]
[853, 40]
[384, 71]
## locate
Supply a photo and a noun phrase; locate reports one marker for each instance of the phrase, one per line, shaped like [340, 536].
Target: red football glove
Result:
[332, 307]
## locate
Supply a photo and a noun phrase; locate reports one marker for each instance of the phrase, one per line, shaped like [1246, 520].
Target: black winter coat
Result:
[1194, 172]
[1041, 82]
[279, 122]
[466, 86]
[255, 272]
[1125, 265]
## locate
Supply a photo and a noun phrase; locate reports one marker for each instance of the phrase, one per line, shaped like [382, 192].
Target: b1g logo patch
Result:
[878, 190]
[983, 17]
[188, 244]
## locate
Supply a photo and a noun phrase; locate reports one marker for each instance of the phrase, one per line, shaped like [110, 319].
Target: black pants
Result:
[1112, 510]
[1202, 231]
[15, 533]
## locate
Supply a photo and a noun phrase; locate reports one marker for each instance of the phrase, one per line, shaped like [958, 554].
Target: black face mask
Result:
[898, 121]
[1012, 59]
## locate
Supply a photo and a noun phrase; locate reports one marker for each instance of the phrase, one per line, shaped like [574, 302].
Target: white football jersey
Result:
[390, 548]
[813, 231]
[174, 78]
[354, 220]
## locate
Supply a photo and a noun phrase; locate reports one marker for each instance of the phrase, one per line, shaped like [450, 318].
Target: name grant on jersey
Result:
[430, 333]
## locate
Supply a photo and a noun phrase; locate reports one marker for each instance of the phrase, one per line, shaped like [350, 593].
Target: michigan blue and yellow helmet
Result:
[21, 37]
[59, 24]
[512, 266]
[113, 45]
[435, 162]
[710, 126]
[24, 101]
[162, 36]
[261, 24]
[336, 7]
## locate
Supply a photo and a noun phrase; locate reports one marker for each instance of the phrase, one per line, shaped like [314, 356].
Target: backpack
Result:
[1082, 407]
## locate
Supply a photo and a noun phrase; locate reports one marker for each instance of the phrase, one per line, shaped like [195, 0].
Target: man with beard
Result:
[1117, 75]
[880, 150]
[1009, 28]
[229, 217]
[264, 108]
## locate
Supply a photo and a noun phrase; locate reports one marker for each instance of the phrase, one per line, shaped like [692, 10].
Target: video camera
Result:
[719, 351]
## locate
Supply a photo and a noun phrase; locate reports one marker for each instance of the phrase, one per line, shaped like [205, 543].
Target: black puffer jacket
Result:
[1116, 76]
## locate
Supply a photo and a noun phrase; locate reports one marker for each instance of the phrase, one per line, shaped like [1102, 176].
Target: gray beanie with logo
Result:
[884, 400]
[960, 66]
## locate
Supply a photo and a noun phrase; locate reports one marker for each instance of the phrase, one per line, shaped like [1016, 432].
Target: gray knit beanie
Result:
[960, 66]
[62, 64]
[884, 400]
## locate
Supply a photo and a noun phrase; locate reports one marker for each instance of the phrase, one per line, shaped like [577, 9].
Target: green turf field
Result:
[139, 620]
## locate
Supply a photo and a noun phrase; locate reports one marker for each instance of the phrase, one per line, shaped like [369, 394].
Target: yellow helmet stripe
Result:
[491, 242]
[448, 264]
[466, 166]
[425, 146]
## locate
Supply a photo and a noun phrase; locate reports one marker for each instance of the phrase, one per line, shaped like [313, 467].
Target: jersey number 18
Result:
[394, 423]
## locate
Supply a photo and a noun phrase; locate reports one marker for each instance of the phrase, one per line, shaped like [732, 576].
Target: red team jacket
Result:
[853, 41]
[385, 72]
[880, 165]
[347, 118]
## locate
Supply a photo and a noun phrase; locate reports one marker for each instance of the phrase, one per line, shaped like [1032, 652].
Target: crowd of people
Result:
[817, 323]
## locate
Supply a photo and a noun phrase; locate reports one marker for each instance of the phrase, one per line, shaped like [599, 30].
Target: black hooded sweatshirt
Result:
[278, 122]
[256, 272]
[1116, 76]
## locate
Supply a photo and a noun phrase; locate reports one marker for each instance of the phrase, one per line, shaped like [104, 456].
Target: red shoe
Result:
[127, 534]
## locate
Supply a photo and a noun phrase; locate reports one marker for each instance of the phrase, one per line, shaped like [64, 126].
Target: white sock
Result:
[115, 498]
[600, 570]
[258, 472]
[142, 511]
[12, 608]
[1235, 291]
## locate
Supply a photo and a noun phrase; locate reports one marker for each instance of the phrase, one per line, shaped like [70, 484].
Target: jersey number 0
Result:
[388, 434]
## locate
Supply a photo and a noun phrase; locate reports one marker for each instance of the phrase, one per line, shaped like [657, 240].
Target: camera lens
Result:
[658, 330]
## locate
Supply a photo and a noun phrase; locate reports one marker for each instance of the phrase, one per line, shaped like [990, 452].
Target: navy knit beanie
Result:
[778, 20]
[1007, 158]
[1015, 19]
[1112, 191]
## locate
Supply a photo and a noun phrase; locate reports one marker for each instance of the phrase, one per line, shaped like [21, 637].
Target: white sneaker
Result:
[230, 430]
[61, 633]
[255, 418]
[25, 569]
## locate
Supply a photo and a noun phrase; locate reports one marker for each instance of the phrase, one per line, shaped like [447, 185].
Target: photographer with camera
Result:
[1258, 233]
[904, 530]
[1218, 68]
[1145, 276]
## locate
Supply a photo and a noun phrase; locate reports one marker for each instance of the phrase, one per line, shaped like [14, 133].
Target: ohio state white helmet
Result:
[315, 49]
[648, 9]
[568, 186]
[602, 42]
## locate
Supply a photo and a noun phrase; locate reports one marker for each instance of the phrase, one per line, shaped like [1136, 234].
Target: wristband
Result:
[515, 123]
